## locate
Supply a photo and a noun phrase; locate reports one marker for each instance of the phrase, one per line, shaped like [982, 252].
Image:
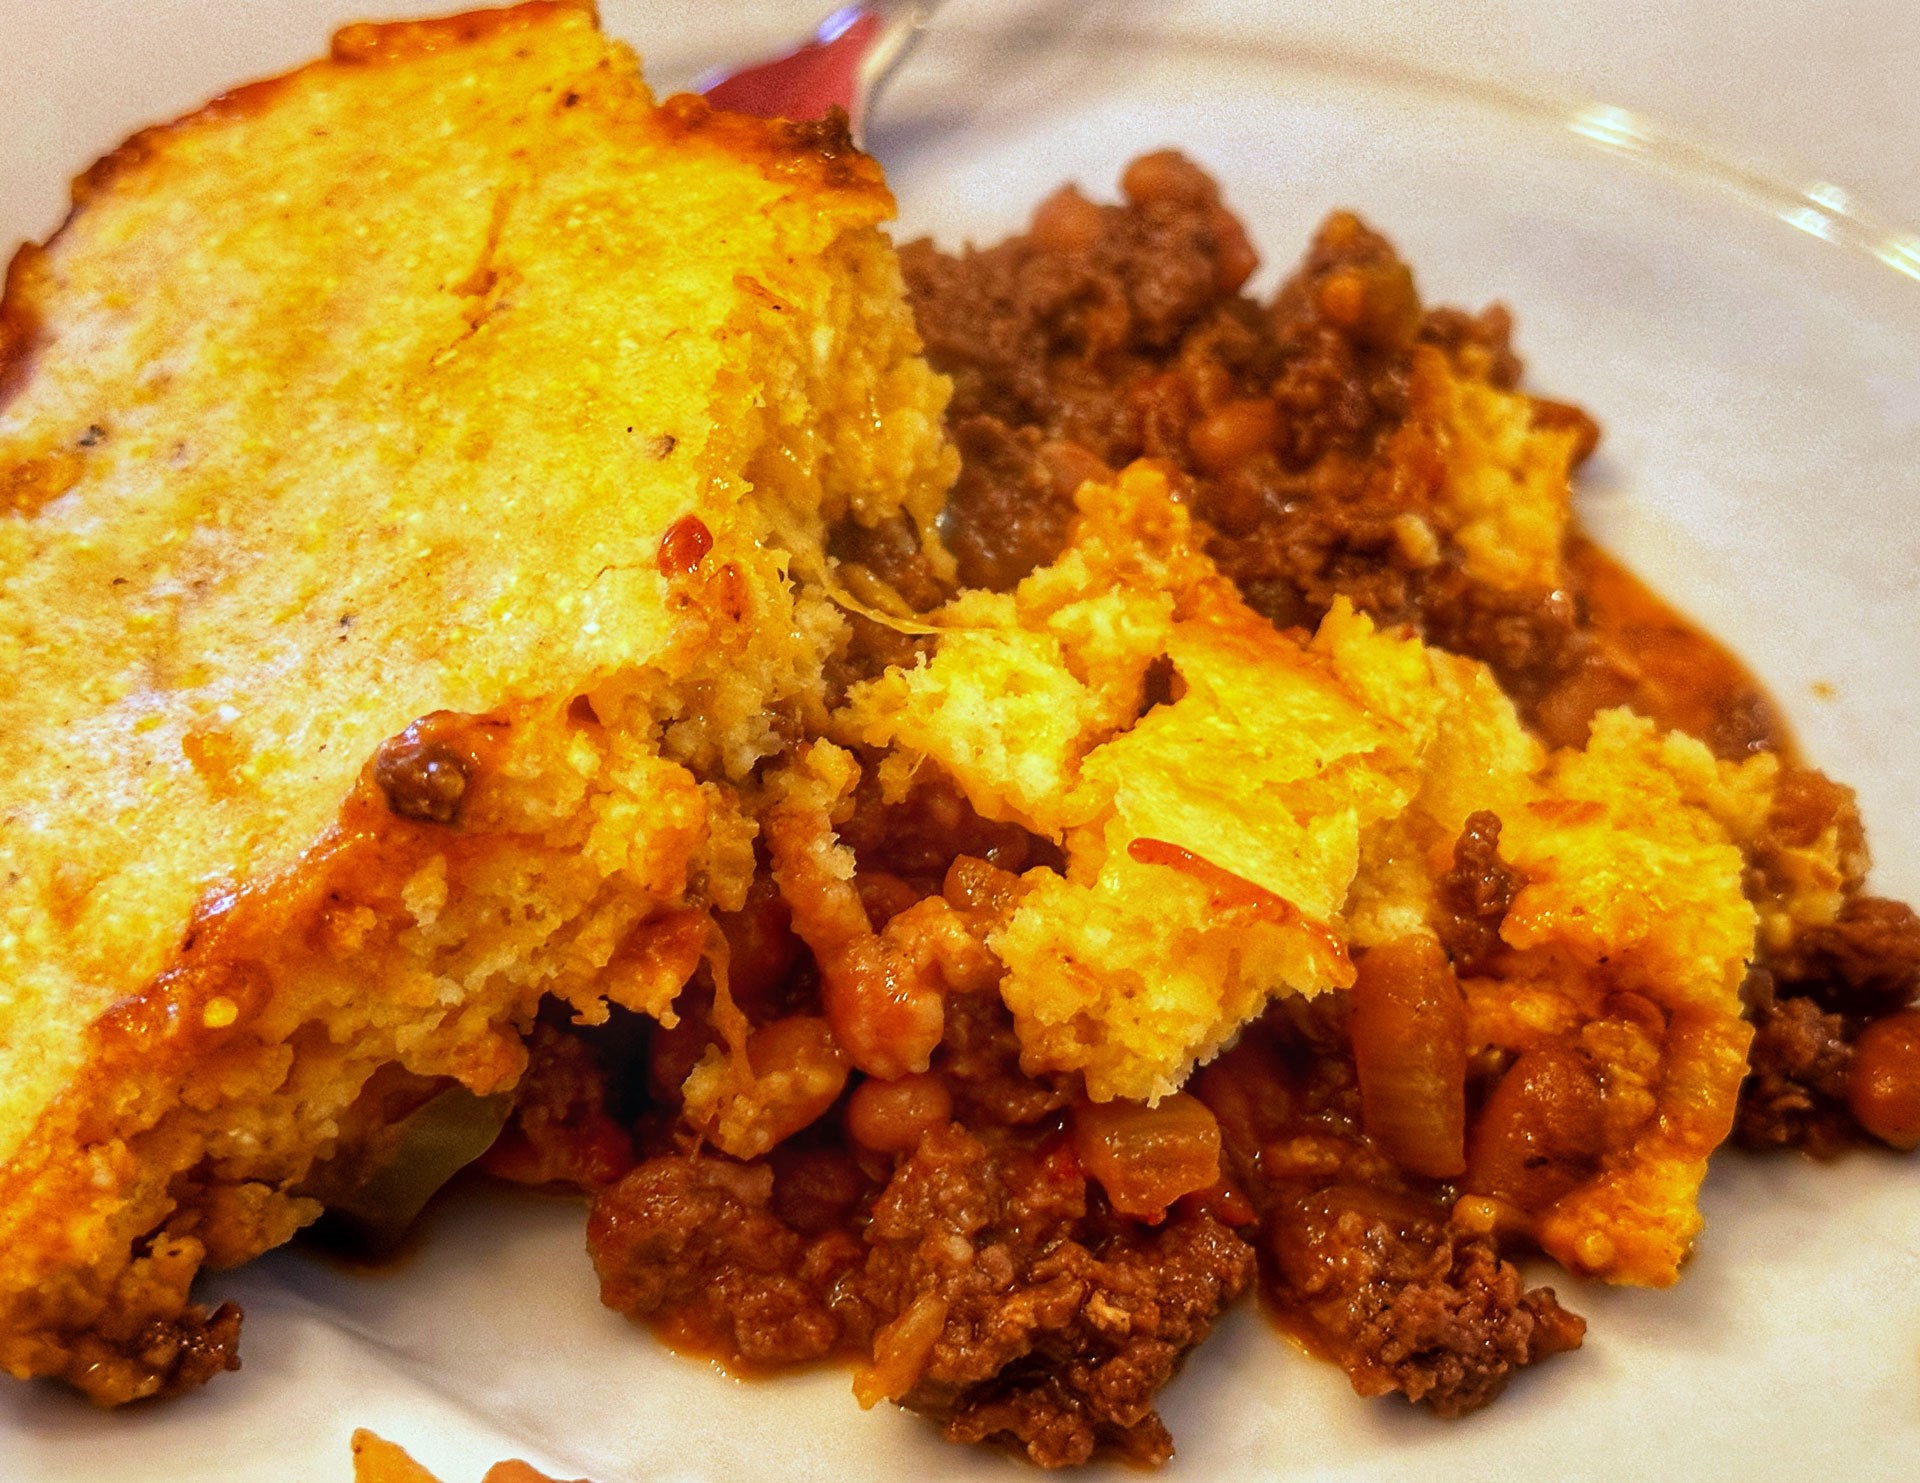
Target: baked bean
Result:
[1236, 259]
[1066, 222]
[1409, 1029]
[884, 995]
[1375, 303]
[1234, 433]
[891, 1116]
[884, 895]
[1883, 1084]
[1342, 299]
[799, 1072]
[761, 947]
[1541, 1130]
[1211, 381]
[1167, 175]
[1069, 466]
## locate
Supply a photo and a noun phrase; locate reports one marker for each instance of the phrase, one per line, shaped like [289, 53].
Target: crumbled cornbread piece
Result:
[1289, 798]
[1631, 931]
[1506, 491]
[1263, 770]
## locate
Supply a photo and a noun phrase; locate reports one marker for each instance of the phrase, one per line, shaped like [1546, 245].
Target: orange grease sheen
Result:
[1683, 677]
[684, 547]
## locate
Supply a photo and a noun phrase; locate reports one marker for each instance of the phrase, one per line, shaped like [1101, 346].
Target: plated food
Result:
[1294, 713]
[401, 507]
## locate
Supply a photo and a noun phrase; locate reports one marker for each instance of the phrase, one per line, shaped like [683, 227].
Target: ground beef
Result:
[183, 1352]
[564, 1128]
[1795, 1092]
[1011, 507]
[917, 837]
[1812, 999]
[980, 1060]
[1109, 333]
[1407, 1303]
[1474, 895]
[1061, 1321]
[1362, 1261]
[691, 1240]
[1866, 961]
[980, 1273]
[1089, 1382]
[1810, 1005]
[1054, 1322]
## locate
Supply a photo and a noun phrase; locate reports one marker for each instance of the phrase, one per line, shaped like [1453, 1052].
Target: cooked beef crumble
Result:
[977, 1268]
[1111, 333]
[1831, 1014]
[1475, 894]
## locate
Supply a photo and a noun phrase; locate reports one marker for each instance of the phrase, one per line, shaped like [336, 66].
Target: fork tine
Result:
[851, 54]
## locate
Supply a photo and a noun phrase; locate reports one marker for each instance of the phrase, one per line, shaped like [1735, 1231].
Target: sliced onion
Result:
[1409, 1029]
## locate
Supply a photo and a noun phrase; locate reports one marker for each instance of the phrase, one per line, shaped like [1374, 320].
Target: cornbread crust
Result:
[358, 691]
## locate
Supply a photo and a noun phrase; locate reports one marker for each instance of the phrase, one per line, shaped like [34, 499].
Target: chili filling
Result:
[986, 1244]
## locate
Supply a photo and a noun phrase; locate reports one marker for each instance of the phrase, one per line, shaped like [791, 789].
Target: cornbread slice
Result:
[409, 465]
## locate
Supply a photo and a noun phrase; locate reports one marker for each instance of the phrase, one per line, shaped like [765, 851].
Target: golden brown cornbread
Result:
[447, 381]
[1292, 797]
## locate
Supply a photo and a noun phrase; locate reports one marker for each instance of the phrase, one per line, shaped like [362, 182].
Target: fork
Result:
[849, 58]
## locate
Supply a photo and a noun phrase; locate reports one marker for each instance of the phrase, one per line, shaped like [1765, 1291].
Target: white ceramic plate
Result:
[1757, 368]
